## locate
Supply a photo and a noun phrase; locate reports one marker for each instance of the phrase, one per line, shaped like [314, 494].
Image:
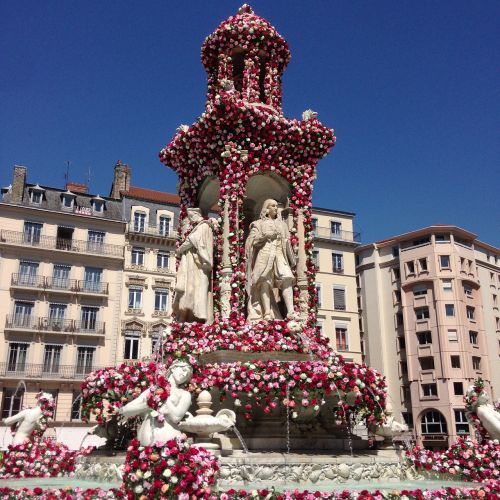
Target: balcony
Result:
[59, 284]
[42, 372]
[29, 323]
[146, 233]
[325, 233]
[16, 238]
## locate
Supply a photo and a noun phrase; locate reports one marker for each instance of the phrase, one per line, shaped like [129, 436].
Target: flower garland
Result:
[471, 399]
[48, 406]
[168, 470]
[46, 458]
[465, 459]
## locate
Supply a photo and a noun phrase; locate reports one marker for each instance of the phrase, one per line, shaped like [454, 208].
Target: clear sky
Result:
[411, 88]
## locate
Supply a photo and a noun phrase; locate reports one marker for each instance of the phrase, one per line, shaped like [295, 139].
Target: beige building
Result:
[61, 266]
[428, 320]
[334, 246]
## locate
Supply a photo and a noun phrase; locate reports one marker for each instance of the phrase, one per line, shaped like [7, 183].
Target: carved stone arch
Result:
[156, 326]
[208, 194]
[134, 325]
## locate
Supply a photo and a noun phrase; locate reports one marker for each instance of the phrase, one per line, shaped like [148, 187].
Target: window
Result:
[28, 273]
[51, 358]
[57, 312]
[314, 224]
[139, 222]
[396, 274]
[423, 264]
[426, 363]
[455, 361]
[339, 298]
[429, 390]
[135, 298]
[161, 300]
[458, 388]
[494, 300]
[315, 258]
[341, 338]
[85, 360]
[164, 228]
[471, 312]
[452, 336]
[76, 406]
[419, 290]
[421, 313]
[397, 296]
[64, 237]
[444, 261]
[95, 241]
[318, 293]
[395, 251]
[137, 256]
[98, 206]
[60, 276]
[461, 422]
[337, 263]
[424, 338]
[408, 418]
[12, 402]
[16, 357]
[131, 346]
[399, 319]
[23, 314]
[89, 318]
[68, 200]
[155, 339]
[335, 229]
[433, 422]
[410, 267]
[447, 286]
[32, 232]
[473, 337]
[36, 197]
[319, 326]
[441, 238]
[92, 279]
[402, 342]
[404, 368]
[162, 260]
[468, 290]
[449, 309]
[476, 363]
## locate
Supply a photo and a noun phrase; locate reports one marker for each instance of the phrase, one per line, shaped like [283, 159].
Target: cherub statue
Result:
[30, 419]
[162, 425]
[489, 417]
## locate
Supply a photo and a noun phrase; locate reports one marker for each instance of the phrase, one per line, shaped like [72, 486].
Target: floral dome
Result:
[248, 32]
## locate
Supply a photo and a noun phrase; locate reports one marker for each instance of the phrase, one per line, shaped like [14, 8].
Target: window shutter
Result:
[339, 298]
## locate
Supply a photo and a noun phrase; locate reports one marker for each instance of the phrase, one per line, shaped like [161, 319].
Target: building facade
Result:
[61, 266]
[426, 324]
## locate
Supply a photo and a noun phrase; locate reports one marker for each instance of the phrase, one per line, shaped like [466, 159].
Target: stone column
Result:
[226, 270]
[302, 268]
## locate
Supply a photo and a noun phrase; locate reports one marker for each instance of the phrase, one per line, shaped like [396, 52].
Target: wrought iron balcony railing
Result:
[44, 371]
[62, 284]
[54, 324]
[149, 230]
[327, 233]
[54, 243]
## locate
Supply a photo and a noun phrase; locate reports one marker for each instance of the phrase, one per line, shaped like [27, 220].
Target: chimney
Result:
[18, 183]
[76, 187]
[121, 180]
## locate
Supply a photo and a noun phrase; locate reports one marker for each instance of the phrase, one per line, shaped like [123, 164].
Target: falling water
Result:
[240, 438]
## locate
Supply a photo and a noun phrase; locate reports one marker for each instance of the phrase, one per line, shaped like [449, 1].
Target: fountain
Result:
[244, 337]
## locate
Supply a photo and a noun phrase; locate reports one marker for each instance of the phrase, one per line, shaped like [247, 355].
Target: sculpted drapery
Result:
[192, 289]
[270, 259]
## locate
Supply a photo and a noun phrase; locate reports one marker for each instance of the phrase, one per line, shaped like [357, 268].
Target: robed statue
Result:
[270, 259]
[192, 301]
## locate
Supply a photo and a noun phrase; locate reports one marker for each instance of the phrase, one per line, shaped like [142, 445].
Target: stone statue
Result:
[489, 417]
[270, 259]
[29, 419]
[192, 299]
[162, 425]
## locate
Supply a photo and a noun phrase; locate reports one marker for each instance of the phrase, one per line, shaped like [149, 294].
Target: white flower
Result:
[237, 402]
[173, 479]
[167, 472]
[139, 489]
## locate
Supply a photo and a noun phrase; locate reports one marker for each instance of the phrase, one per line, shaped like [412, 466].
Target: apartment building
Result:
[335, 243]
[61, 266]
[426, 305]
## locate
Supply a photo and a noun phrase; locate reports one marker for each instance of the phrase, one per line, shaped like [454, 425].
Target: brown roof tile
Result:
[152, 195]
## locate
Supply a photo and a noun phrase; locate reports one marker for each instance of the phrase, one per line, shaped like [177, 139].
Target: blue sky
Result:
[411, 88]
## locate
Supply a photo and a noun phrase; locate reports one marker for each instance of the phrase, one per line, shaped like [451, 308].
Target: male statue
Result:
[270, 259]
[191, 301]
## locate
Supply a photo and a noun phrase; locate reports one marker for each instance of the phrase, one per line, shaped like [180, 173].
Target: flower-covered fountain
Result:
[243, 338]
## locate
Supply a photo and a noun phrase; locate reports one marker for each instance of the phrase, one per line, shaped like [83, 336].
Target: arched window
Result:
[433, 422]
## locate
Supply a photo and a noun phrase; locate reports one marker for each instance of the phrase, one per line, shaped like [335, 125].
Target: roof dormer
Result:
[36, 194]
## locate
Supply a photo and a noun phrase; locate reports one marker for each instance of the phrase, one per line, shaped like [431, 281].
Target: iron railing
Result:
[327, 233]
[41, 371]
[48, 324]
[54, 243]
[150, 230]
[49, 283]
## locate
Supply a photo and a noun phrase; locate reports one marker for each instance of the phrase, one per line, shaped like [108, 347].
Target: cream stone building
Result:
[430, 324]
[61, 267]
[335, 243]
